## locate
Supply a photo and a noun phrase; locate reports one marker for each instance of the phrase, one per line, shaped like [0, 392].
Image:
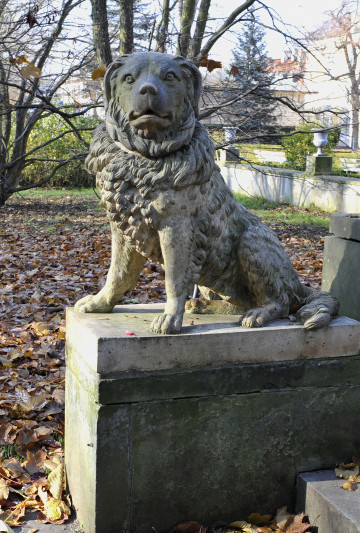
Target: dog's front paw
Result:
[166, 324]
[93, 304]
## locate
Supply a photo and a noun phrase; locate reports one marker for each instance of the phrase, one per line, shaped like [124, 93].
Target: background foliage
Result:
[72, 175]
[298, 146]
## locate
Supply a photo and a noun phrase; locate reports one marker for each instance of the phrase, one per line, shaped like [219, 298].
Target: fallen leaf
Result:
[349, 485]
[288, 523]
[56, 510]
[282, 517]
[56, 480]
[345, 471]
[35, 462]
[242, 526]
[15, 470]
[131, 333]
[4, 489]
[258, 520]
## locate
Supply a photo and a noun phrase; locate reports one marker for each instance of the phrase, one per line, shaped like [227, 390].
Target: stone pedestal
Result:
[228, 155]
[318, 164]
[341, 271]
[209, 425]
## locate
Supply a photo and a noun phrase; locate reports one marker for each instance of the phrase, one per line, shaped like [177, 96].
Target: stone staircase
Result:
[329, 507]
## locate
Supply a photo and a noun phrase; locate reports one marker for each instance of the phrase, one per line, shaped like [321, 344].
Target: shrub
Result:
[72, 175]
[298, 146]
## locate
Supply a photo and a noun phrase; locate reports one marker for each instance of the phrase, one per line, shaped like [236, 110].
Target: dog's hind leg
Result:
[256, 318]
[126, 265]
[319, 308]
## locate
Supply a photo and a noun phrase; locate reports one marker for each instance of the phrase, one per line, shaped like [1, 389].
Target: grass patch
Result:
[279, 213]
[8, 451]
[65, 201]
[43, 195]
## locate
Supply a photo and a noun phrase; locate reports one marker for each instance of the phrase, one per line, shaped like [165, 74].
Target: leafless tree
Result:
[36, 59]
[337, 42]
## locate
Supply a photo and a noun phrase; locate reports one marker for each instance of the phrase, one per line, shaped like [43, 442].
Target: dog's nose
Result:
[148, 88]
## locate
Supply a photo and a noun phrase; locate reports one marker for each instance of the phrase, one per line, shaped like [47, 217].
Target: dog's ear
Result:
[195, 81]
[109, 76]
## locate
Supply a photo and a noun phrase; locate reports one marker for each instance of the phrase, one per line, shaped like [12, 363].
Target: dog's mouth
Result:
[148, 118]
[146, 113]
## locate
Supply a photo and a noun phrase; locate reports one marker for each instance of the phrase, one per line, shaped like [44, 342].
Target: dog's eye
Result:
[129, 78]
[170, 76]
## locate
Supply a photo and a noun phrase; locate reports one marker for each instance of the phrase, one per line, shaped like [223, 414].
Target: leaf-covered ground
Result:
[54, 250]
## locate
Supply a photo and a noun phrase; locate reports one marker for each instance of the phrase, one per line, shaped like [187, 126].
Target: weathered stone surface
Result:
[316, 164]
[341, 273]
[166, 200]
[330, 193]
[330, 508]
[152, 444]
[346, 226]
[108, 349]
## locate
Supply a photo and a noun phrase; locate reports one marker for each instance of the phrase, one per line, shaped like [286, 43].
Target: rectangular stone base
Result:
[342, 263]
[209, 425]
[318, 164]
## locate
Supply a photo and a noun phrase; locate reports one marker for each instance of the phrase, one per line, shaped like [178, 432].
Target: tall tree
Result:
[101, 36]
[126, 27]
[30, 43]
[251, 77]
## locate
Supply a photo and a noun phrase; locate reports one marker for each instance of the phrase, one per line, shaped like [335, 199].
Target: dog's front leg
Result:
[175, 240]
[126, 265]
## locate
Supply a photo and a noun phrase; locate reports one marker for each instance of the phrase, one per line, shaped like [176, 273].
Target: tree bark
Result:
[18, 112]
[126, 27]
[101, 32]
[196, 41]
[163, 27]
[187, 18]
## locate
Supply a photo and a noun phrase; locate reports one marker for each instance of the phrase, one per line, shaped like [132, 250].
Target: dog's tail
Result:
[318, 309]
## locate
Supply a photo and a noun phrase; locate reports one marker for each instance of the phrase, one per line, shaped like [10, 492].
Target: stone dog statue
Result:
[166, 200]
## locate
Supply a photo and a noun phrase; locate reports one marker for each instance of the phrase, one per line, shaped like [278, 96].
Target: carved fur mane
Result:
[192, 163]
[128, 180]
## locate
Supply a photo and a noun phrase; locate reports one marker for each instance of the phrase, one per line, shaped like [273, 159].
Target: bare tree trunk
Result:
[101, 32]
[126, 27]
[18, 114]
[187, 18]
[163, 28]
[355, 128]
[195, 44]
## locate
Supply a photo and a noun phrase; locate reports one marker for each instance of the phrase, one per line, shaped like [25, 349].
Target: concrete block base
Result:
[329, 507]
[341, 263]
[319, 164]
[209, 425]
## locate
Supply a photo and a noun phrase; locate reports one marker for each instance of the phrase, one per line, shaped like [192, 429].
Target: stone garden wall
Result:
[329, 193]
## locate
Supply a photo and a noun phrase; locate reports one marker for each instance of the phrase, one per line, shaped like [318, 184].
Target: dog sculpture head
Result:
[151, 101]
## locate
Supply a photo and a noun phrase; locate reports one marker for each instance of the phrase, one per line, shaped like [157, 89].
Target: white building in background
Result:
[81, 91]
[334, 57]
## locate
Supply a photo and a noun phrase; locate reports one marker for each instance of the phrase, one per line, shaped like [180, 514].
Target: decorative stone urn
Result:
[319, 163]
[320, 140]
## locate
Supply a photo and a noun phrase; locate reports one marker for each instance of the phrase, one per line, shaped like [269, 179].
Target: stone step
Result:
[329, 507]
